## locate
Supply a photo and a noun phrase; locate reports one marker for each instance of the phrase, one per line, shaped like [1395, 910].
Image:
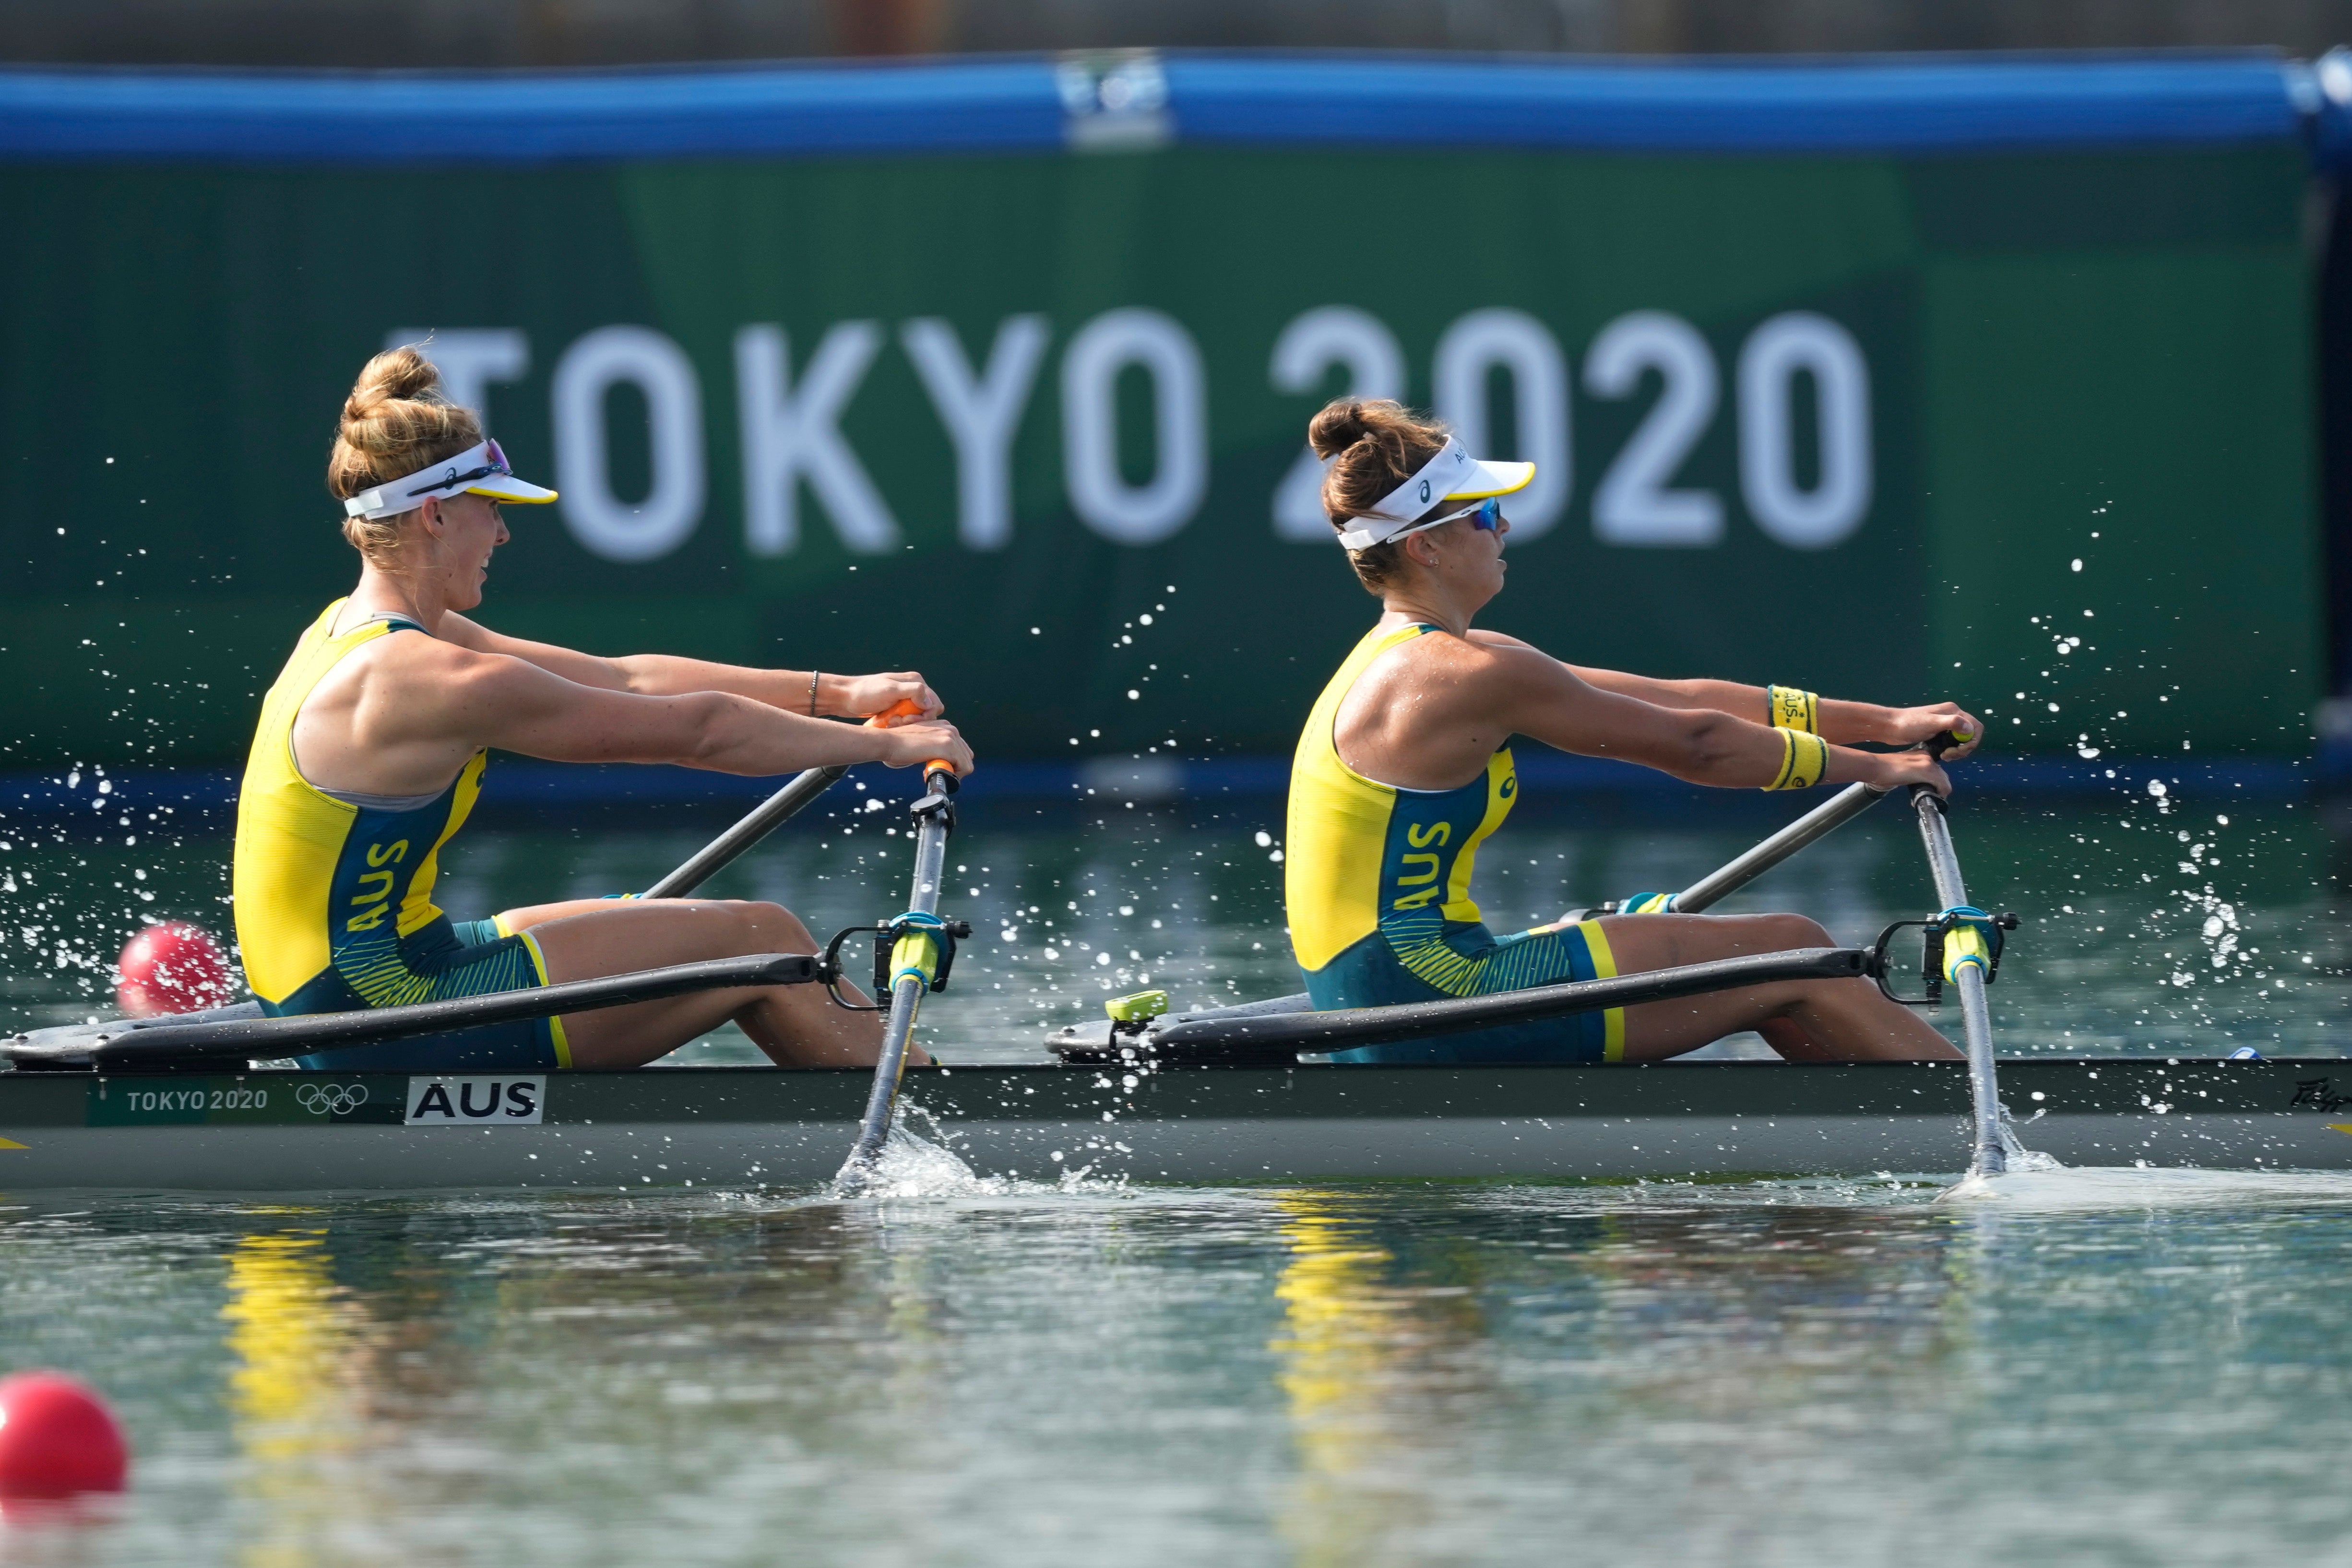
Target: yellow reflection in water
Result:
[1336, 1347]
[293, 1392]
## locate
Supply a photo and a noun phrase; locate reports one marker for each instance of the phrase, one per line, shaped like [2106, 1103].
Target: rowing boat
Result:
[1223, 1095]
[743, 1128]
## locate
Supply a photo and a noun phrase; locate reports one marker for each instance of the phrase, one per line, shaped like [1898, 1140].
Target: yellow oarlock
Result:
[1138, 1007]
[916, 952]
[1965, 945]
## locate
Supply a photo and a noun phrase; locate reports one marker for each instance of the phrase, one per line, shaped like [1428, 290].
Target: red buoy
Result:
[57, 1438]
[172, 967]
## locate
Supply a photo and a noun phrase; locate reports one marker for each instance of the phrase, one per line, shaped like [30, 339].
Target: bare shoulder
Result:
[1425, 714]
[409, 667]
[1441, 661]
[1420, 686]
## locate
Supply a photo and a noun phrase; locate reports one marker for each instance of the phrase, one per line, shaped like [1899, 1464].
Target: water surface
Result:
[1798, 1372]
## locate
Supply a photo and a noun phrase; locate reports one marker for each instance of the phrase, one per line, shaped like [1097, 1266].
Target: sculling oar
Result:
[765, 818]
[922, 947]
[203, 1042]
[1970, 943]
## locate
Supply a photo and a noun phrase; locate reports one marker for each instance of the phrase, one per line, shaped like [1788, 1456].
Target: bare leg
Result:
[796, 1025]
[1804, 1020]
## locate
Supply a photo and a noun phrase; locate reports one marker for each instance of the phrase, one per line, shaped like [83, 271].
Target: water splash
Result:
[911, 1166]
[925, 1166]
[2021, 1161]
[2085, 1187]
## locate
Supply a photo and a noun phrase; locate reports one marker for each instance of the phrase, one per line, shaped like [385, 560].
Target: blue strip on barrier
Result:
[516, 117]
[154, 801]
[1902, 104]
[1910, 105]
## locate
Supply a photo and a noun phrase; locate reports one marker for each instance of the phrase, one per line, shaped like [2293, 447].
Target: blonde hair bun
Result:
[395, 421]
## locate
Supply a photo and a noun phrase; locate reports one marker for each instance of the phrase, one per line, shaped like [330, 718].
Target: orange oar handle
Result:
[905, 707]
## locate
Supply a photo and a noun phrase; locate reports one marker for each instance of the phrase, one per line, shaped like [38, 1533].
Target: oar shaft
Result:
[906, 991]
[764, 819]
[1984, 1088]
[1819, 823]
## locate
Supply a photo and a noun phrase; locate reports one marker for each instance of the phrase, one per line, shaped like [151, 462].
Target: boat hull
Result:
[736, 1127]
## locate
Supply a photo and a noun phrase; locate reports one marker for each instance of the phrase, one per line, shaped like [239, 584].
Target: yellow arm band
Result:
[1793, 710]
[1804, 761]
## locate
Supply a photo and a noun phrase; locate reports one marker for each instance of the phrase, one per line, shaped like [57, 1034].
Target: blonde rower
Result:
[371, 749]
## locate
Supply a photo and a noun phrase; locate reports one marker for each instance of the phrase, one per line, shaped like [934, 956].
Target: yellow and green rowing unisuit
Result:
[1377, 880]
[334, 894]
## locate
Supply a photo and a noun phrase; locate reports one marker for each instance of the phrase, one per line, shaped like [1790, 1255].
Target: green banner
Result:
[2030, 431]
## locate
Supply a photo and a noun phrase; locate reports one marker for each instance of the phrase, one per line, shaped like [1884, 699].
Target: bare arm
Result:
[1532, 694]
[667, 675]
[442, 696]
[1848, 723]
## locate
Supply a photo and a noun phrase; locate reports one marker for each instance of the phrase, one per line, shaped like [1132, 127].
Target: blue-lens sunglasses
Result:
[1484, 516]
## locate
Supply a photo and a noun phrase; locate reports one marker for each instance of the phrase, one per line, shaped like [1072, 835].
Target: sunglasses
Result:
[1484, 517]
[498, 465]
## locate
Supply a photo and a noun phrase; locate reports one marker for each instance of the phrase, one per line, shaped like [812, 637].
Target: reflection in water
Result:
[1745, 1374]
[1361, 1357]
[296, 1389]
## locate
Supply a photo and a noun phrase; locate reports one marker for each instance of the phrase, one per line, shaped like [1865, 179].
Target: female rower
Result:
[1404, 770]
[370, 753]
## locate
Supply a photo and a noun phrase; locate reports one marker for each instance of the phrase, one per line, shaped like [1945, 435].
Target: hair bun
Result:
[400, 375]
[1373, 445]
[1339, 425]
[395, 421]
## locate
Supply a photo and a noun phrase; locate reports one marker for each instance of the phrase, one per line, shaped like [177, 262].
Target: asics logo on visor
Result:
[452, 478]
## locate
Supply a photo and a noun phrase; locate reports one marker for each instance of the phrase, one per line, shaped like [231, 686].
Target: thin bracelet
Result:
[812, 693]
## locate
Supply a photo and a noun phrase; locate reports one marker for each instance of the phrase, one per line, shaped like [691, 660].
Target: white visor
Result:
[480, 469]
[1452, 475]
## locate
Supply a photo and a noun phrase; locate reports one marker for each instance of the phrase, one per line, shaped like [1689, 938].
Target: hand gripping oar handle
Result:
[1989, 1156]
[938, 773]
[912, 963]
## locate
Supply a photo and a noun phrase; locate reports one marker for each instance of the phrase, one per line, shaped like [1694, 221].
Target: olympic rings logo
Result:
[331, 1099]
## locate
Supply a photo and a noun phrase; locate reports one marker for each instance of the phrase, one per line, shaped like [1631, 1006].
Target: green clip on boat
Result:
[1215, 1096]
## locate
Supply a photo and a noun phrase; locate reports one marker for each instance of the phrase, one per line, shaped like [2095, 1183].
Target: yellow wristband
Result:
[1793, 710]
[1804, 761]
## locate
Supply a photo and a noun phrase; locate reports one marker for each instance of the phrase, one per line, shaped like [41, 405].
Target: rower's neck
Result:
[393, 592]
[1406, 605]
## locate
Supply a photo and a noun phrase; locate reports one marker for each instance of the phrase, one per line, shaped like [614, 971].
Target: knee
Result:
[771, 928]
[1795, 930]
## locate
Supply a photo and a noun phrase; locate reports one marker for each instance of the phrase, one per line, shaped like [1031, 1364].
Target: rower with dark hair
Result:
[1405, 769]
